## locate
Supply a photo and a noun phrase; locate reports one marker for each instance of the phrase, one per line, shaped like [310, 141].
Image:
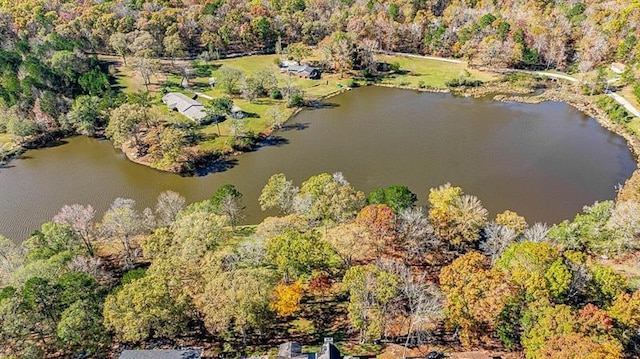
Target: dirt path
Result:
[435, 58]
[619, 99]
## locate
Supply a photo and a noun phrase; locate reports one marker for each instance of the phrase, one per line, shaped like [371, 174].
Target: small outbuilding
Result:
[161, 354]
[290, 350]
[618, 68]
[293, 350]
[236, 112]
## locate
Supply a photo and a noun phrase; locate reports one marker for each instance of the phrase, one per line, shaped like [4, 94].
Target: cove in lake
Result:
[544, 161]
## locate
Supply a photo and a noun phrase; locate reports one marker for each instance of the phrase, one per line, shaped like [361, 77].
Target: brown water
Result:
[544, 161]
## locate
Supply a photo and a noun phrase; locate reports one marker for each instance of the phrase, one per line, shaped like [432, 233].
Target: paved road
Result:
[621, 100]
[542, 73]
[199, 94]
[435, 58]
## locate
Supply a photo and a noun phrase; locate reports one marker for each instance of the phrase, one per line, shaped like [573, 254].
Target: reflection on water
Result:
[544, 161]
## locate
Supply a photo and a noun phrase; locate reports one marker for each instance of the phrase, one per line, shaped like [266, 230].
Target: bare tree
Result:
[420, 301]
[80, 218]
[168, 205]
[91, 266]
[536, 233]
[252, 252]
[146, 68]
[231, 206]
[416, 233]
[365, 50]
[580, 279]
[625, 225]
[497, 239]
[11, 257]
[276, 117]
[123, 222]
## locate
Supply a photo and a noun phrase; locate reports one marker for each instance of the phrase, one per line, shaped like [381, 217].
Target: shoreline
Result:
[496, 90]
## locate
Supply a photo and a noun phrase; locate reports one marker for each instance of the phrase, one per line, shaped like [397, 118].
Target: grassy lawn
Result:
[432, 73]
[5, 138]
[627, 93]
[259, 119]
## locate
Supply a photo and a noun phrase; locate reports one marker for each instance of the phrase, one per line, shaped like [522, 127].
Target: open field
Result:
[167, 79]
[429, 73]
[414, 73]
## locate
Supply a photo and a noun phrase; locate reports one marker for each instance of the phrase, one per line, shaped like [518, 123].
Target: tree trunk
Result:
[406, 342]
[87, 244]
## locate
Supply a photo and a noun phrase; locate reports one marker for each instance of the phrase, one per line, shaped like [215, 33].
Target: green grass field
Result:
[259, 120]
[414, 72]
[431, 73]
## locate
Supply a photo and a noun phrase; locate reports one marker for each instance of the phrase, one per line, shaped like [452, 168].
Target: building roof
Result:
[287, 63]
[618, 67]
[329, 351]
[161, 354]
[290, 349]
[301, 69]
[185, 105]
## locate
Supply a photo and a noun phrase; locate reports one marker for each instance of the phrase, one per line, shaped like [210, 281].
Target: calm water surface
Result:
[544, 161]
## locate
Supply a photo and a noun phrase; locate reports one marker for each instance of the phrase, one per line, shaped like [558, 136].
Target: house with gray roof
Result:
[189, 107]
[304, 71]
[293, 350]
[161, 354]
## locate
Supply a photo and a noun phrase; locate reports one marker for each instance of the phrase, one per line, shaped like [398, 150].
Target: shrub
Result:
[276, 94]
[295, 100]
[636, 91]
[464, 83]
[132, 275]
[616, 112]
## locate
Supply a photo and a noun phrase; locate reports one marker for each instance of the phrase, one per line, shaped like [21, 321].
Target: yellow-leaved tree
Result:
[287, 298]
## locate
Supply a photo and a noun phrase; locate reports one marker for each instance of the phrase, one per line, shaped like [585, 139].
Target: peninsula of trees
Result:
[100, 68]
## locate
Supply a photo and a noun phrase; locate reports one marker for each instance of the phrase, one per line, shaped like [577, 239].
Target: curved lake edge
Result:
[582, 103]
[552, 123]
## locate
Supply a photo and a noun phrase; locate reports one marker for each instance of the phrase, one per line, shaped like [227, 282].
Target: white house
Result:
[186, 106]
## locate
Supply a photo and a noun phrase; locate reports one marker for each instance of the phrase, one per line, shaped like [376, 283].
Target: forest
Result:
[369, 270]
[55, 81]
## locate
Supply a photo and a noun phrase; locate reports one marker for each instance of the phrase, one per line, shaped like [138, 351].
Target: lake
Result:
[544, 161]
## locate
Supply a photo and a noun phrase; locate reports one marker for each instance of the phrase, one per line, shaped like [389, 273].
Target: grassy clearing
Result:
[5, 138]
[430, 73]
[627, 93]
[416, 72]
[634, 125]
[259, 119]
